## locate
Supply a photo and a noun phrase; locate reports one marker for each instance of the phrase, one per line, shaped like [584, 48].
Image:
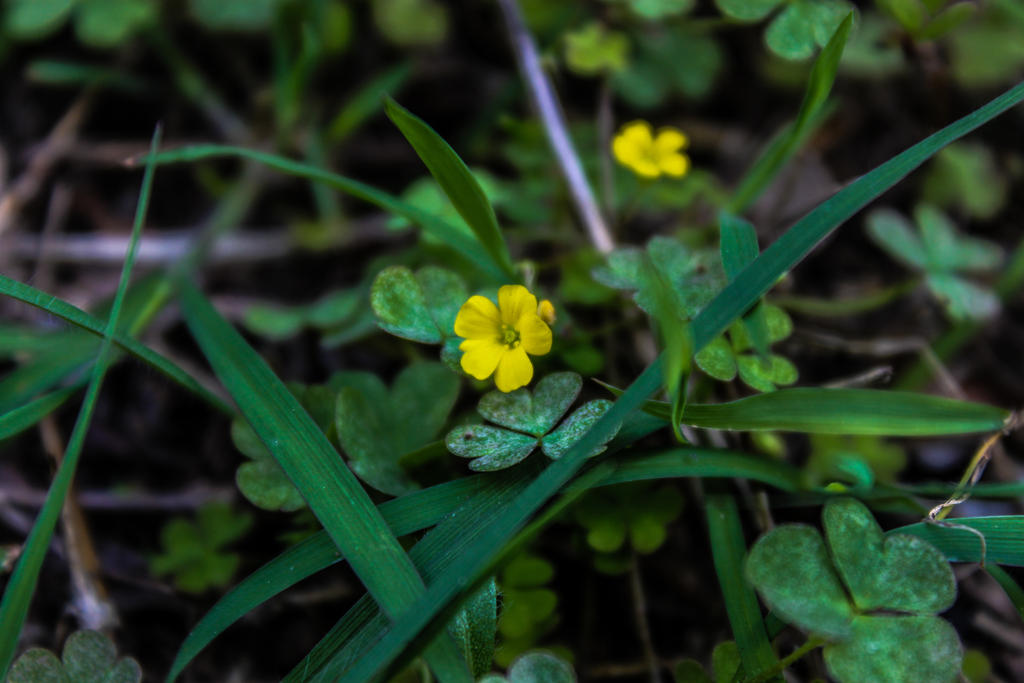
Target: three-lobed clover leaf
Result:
[528, 605]
[965, 175]
[88, 657]
[724, 359]
[193, 552]
[798, 28]
[639, 512]
[526, 420]
[376, 427]
[652, 74]
[873, 597]
[338, 315]
[941, 253]
[420, 307]
[593, 50]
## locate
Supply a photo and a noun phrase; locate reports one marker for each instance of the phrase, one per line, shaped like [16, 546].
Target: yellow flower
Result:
[497, 338]
[637, 148]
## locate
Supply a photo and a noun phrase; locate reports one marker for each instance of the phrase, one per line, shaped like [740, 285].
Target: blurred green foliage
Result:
[193, 552]
[88, 657]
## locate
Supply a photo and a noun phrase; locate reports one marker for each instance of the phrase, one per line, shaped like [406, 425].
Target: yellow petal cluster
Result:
[498, 338]
[649, 155]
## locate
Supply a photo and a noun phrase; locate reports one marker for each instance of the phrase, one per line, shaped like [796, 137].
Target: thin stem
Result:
[544, 99]
[640, 614]
[784, 663]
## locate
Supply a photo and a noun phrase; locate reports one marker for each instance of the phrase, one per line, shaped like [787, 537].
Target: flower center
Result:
[509, 336]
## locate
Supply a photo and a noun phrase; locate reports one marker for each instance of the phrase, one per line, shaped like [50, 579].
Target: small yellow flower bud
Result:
[546, 311]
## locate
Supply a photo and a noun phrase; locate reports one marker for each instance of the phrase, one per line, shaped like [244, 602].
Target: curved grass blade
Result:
[789, 140]
[23, 417]
[443, 230]
[706, 463]
[79, 318]
[957, 538]
[22, 584]
[842, 411]
[317, 470]
[751, 283]
[1012, 589]
[457, 181]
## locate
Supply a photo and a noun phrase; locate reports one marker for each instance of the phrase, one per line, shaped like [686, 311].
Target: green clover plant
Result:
[593, 50]
[871, 598]
[799, 27]
[725, 664]
[927, 19]
[965, 176]
[537, 666]
[411, 23]
[193, 552]
[376, 427]
[653, 74]
[528, 605]
[88, 657]
[526, 421]
[338, 316]
[941, 254]
[638, 512]
[656, 9]
[859, 460]
[98, 23]
[723, 359]
[234, 15]
[261, 480]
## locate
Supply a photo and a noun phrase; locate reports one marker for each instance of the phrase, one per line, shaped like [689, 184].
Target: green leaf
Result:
[266, 486]
[658, 9]
[791, 569]
[37, 666]
[475, 627]
[32, 19]
[20, 419]
[193, 553]
[963, 299]
[491, 448]
[691, 671]
[593, 50]
[886, 649]
[895, 572]
[717, 359]
[109, 23]
[725, 661]
[455, 178]
[763, 374]
[803, 26]
[947, 20]
[411, 23]
[909, 13]
[894, 233]
[747, 10]
[88, 657]
[535, 414]
[575, 426]
[947, 249]
[540, 667]
[420, 307]
[739, 248]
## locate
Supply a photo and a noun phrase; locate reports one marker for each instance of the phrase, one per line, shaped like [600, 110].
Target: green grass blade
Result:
[782, 148]
[957, 538]
[706, 463]
[47, 370]
[317, 470]
[366, 102]
[457, 181]
[22, 584]
[842, 411]
[455, 238]
[1012, 589]
[23, 417]
[79, 318]
[729, 549]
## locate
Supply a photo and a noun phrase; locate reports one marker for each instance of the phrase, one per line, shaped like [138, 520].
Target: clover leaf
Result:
[535, 667]
[799, 28]
[261, 480]
[421, 306]
[193, 552]
[88, 657]
[639, 512]
[411, 23]
[725, 663]
[873, 597]
[98, 23]
[857, 459]
[234, 15]
[376, 427]
[593, 50]
[964, 175]
[652, 74]
[723, 359]
[528, 605]
[526, 420]
[339, 315]
[941, 253]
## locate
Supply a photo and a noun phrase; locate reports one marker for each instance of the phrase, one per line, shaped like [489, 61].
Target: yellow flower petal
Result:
[676, 165]
[514, 370]
[534, 334]
[633, 143]
[480, 357]
[514, 301]
[669, 141]
[477, 319]
[646, 168]
[638, 133]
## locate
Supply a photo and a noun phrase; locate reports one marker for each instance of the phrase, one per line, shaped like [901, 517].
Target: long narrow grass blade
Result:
[706, 463]
[729, 549]
[457, 181]
[842, 411]
[317, 470]
[21, 587]
[960, 538]
[79, 318]
[457, 239]
[1012, 589]
[23, 417]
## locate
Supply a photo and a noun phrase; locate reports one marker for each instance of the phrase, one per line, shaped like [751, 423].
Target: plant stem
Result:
[810, 644]
[550, 113]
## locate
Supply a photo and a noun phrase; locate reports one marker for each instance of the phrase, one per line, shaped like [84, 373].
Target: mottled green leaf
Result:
[747, 10]
[804, 26]
[420, 307]
[37, 666]
[764, 374]
[593, 50]
[108, 23]
[492, 448]
[540, 667]
[717, 359]
[885, 649]
[575, 426]
[29, 19]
